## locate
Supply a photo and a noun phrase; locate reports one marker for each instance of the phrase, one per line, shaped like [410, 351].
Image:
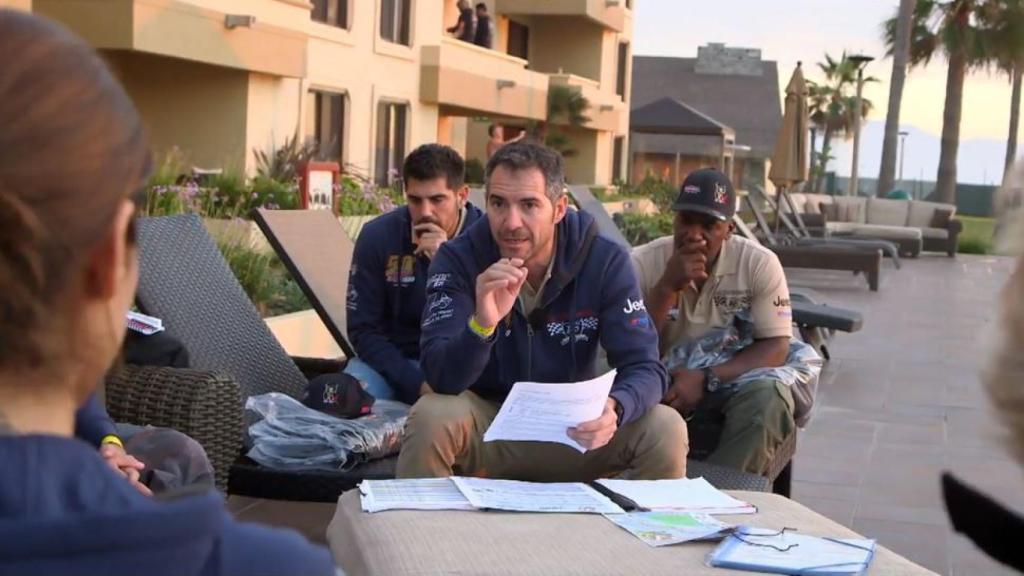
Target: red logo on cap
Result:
[720, 194]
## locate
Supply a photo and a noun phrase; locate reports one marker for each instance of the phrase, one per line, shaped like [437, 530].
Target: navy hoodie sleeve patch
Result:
[367, 316]
[452, 356]
[628, 335]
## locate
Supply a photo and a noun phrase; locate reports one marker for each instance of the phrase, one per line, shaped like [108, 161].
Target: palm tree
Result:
[1007, 53]
[839, 106]
[566, 106]
[817, 111]
[900, 51]
[953, 27]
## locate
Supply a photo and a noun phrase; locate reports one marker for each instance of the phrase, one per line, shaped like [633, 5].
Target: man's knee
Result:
[763, 403]
[664, 444]
[665, 422]
[436, 416]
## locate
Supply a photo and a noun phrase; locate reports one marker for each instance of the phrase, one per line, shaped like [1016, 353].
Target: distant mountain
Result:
[979, 161]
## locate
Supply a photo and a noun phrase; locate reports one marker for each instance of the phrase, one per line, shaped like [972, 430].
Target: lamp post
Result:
[860, 61]
[903, 149]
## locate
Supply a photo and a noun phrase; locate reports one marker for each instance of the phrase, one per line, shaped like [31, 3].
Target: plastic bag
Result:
[800, 372]
[294, 436]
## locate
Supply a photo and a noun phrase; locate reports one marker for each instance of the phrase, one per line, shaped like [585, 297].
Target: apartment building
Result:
[367, 79]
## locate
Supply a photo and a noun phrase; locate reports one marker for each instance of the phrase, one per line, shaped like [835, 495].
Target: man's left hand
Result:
[596, 433]
[686, 390]
[429, 239]
[126, 464]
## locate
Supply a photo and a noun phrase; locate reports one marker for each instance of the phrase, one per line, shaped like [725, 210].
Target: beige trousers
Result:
[444, 437]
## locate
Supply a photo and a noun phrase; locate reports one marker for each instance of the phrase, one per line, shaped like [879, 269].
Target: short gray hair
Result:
[526, 154]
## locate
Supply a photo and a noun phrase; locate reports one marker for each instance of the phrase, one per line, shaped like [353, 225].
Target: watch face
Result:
[711, 380]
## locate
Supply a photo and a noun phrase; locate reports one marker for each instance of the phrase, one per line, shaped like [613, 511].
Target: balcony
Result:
[606, 108]
[610, 14]
[469, 80]
[251, 41]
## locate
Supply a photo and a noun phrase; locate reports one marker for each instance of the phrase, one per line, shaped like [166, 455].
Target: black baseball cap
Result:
[707, 191]
[339, 395]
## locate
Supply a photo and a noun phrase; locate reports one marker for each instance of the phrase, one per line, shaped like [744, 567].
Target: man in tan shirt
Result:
[698, 280]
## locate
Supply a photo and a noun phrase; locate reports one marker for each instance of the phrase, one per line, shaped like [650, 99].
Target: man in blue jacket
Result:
[529, 294]
[388, 279]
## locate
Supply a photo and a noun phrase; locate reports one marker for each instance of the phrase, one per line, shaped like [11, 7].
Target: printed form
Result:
[545, 412]
[412, 494]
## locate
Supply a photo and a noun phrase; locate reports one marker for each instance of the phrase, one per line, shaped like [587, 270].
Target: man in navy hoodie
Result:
[529, 294]
[388, 279]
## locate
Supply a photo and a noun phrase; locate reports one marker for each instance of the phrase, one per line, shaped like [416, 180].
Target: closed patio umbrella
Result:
[789, 159]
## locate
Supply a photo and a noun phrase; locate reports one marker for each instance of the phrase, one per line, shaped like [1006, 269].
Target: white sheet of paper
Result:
[685, 495]
[570, 497]
[545, 412]
[412, 494]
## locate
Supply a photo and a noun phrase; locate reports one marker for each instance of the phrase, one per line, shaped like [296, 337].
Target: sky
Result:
[788, 31]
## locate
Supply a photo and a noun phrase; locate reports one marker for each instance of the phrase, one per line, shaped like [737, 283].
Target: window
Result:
[391, 126]
[331, 12]
[326, 124]
[617, 158]
[394, 21]
[620, 78]
[518, 40]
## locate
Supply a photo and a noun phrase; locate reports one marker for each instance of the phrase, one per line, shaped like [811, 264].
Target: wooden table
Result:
[450, 542]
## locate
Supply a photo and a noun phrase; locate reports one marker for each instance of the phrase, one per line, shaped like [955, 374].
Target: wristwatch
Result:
[618, 413]
[711, 381]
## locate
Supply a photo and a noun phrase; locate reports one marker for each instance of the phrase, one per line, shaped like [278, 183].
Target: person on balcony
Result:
[484, 37]
[388, 279]
[465, 28]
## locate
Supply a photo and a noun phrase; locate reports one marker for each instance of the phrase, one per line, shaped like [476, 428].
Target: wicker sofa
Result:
[915, 225]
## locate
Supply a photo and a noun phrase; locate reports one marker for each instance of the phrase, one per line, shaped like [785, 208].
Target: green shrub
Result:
[264, 279]
[660, 192]
[642, 228]
[475, 172]
[974, 245]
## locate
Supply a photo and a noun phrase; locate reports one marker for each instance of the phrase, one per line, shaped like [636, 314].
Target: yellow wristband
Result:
[111, 439]
[479, 330]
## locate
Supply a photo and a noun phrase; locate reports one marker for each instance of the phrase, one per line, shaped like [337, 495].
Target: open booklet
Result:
[695, 496]
[459, 493]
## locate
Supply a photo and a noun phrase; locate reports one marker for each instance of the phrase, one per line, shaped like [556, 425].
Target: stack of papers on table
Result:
[761, 550]
[483, 494]
[412, 494]
[694, 495]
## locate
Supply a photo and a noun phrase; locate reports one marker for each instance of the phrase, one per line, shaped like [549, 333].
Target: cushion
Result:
[831, 212]
[941, 218]
[852, 209]
[874, 231]
[888, 212]
[813, 202]
[801, 204]
[934, 233]
[921, 213]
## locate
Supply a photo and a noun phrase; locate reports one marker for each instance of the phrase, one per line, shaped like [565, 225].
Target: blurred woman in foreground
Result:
[72, 158]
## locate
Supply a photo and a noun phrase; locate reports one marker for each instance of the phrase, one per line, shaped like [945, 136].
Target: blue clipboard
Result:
[785, 552]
